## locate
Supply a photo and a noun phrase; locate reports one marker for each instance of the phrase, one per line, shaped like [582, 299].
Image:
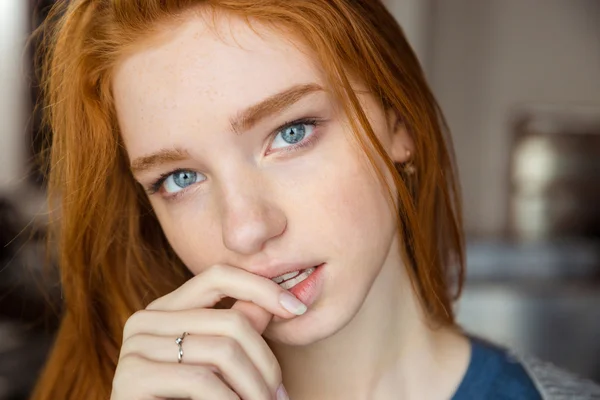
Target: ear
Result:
[401, 143]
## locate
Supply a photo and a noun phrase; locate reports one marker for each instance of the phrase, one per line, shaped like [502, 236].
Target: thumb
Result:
[258, 316]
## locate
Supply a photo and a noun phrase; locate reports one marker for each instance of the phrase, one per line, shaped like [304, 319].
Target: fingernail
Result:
[291, 303]
[282, 394]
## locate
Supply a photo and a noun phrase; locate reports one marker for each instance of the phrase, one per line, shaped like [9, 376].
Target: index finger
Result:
[258, 316]
[220, 281]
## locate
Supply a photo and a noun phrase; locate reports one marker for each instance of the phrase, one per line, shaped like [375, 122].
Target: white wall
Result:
[414, 18]
[486, 58]
[13, 93]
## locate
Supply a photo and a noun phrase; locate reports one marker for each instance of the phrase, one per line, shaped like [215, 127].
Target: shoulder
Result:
[556, 384]
[494, 374]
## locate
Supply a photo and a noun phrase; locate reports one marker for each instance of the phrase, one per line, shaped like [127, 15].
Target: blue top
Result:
[493, 375]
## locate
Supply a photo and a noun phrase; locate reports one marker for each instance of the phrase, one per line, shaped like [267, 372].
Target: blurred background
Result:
[519, 82]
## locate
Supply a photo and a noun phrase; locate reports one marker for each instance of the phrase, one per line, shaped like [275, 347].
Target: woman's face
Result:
[259, 168]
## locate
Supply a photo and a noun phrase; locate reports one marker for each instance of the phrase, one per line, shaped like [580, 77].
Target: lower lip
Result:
[308, 290]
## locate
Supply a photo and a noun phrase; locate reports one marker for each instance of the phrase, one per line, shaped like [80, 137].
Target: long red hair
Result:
[113, 256]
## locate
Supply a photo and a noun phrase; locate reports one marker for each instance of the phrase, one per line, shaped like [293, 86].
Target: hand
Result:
[225, 356]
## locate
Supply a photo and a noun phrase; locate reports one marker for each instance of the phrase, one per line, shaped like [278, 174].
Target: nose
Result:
[250, 217]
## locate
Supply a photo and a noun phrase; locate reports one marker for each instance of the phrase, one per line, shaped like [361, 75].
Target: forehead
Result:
[205, 73]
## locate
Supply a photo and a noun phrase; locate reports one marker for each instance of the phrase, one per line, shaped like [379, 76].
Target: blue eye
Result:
[179, 180]
[292, 134]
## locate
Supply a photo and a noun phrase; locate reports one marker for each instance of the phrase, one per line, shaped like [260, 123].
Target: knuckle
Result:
[237, 321]
[133, 322]
[130, 344]
[229, 348]
[215, 270]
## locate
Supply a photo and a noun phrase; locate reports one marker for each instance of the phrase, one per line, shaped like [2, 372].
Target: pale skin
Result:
[252, 205]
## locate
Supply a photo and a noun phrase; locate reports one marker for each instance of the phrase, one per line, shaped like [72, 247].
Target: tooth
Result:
[290, 275]
[285, 277]
[293, 282]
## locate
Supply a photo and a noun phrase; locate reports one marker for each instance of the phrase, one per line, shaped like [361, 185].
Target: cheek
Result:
[188, 231]
[350, 207]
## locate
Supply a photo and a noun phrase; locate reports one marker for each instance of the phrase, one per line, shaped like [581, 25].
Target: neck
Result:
[387, 351]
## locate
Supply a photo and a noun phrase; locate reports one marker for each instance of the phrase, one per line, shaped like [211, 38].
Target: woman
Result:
[257, 201]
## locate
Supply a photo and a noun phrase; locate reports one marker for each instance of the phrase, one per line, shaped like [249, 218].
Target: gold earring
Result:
[409, 167]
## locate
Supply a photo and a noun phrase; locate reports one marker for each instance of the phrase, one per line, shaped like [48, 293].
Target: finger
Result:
[140, 378]
[258, 316]
[209, 322]
[208, 288]
[222, 352]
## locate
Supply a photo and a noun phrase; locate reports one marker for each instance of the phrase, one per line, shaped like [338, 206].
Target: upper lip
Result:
[274, 271]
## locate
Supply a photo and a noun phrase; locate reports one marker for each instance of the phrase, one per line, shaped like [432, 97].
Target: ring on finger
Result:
[179, 342]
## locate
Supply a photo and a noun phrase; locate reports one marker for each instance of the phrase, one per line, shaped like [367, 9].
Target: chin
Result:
[303, 330]
[323, 320]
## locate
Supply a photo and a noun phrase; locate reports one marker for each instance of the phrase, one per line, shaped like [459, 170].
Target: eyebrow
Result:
[271, 105]
[243, 121]
[154, 160]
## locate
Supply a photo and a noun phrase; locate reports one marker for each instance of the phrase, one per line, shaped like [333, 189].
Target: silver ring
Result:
[179, 342]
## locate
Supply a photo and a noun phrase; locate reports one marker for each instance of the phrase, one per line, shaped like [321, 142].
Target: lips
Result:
[306, 288]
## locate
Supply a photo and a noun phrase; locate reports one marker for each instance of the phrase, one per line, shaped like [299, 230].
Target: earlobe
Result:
[402, 145]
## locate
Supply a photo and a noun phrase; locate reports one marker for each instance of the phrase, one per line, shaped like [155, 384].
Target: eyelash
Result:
[156, 185]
